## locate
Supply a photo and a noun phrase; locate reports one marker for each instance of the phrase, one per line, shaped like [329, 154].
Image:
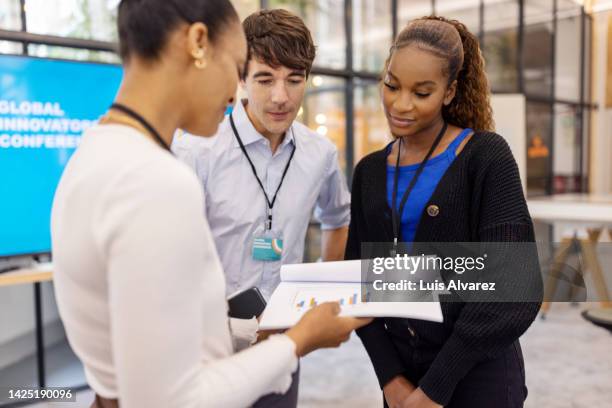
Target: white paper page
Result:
[338, 271]
[292, 299]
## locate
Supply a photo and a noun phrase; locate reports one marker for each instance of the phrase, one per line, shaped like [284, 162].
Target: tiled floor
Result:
[568, 362]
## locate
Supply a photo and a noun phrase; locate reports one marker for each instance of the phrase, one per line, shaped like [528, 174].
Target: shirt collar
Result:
[247, 131]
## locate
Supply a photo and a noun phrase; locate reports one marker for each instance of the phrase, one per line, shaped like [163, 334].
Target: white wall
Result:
[509, 115]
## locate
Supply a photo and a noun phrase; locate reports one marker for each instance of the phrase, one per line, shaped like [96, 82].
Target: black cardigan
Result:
[480, 199]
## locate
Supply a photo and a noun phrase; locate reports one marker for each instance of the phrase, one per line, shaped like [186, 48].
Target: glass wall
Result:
[566, 147]
[539, 147]
[545, 61]
[324, 111]
[89, 19]
[466, 11]
[410, 9]
[371, 131]
[10, 15]
[587, 58]
[372, 34]
[10, 47]
[500, 45]
[325, 19]
[567, 48]
[49, 51]
[537, 57]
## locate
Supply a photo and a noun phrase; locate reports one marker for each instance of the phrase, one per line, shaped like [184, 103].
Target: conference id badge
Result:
[267, 245]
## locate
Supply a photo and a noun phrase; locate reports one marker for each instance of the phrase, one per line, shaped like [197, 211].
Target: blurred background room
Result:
[549, 64]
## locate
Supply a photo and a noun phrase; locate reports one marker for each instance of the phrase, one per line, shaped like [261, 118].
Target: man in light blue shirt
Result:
[264, 174]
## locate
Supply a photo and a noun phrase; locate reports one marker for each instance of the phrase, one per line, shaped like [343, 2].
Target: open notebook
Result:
[306, 285]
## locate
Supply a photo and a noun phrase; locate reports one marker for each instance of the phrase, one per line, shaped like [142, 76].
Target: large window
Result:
[567, 47]
[371, 130]
[539, 147]
[372, 34]
[90, 19]
[541, 48]
[500, 45]
[9, 47]
[10, 15]
[537, 56]
[46, 51]
[410, 9]
[466, 11]
[566, 148]
[325, 19]
[324, 111]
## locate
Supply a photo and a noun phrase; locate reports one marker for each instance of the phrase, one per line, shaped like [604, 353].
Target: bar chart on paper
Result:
[304, 286]
[305, 299]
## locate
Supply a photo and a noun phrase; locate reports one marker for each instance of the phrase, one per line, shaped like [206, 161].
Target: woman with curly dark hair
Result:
[445, 178]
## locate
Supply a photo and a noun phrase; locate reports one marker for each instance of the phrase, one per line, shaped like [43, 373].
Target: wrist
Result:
[399, 381]
[299, 339]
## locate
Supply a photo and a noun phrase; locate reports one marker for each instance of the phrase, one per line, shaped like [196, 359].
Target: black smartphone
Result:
[246, 304]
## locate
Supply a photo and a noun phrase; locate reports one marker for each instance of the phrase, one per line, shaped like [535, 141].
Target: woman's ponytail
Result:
[471, 106]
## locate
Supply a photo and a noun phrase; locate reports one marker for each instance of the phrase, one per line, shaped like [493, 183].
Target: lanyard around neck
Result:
[396, 215]
[137, 117]
[269, 202]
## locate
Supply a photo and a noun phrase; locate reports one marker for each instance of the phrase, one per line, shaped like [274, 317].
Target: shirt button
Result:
[433, 210]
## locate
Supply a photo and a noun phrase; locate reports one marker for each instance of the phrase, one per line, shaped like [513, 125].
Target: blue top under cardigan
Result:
[423, 189]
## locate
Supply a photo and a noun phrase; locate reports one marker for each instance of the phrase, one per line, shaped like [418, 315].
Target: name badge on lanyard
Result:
[267, 243]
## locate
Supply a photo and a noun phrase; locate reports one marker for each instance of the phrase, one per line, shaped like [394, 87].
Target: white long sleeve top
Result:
[140, 288]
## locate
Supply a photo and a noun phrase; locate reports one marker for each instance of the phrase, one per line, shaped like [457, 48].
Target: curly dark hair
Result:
[452, 41]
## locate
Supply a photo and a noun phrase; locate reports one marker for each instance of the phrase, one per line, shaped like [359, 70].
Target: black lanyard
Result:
[396, 216]
[137, 117]
[270, 203]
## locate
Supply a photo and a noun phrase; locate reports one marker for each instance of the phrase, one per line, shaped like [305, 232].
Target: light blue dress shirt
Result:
[236, 207]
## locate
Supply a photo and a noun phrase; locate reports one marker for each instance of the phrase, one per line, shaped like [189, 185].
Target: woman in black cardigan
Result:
[463, 186]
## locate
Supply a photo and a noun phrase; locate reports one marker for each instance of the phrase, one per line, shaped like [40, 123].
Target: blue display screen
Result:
[45, 105]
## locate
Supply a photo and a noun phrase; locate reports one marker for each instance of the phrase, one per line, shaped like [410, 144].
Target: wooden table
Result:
[580, 209]
[583, 218]
[38, 273]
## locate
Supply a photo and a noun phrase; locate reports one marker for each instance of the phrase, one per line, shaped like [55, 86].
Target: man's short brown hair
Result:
[279, 38]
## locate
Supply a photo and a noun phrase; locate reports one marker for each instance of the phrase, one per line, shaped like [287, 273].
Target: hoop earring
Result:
[200, 63]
